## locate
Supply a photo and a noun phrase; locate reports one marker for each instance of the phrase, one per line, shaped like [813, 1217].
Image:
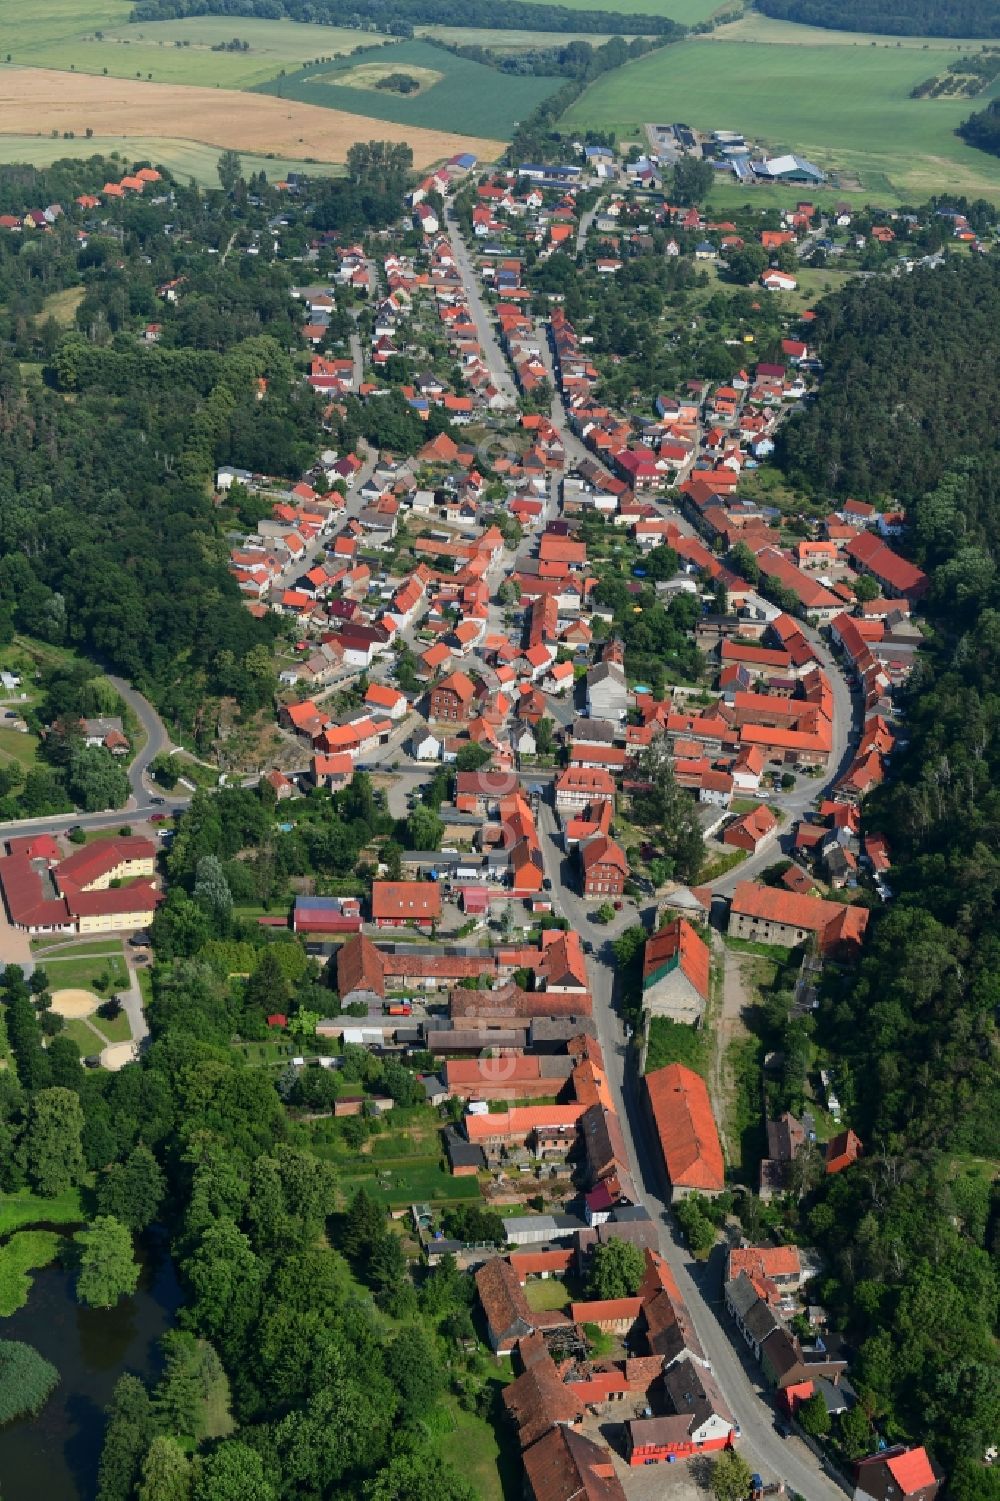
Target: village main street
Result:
[762, 1446]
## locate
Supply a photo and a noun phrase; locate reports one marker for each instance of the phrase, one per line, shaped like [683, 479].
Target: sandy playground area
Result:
[37, 101]
[73, 1004]
[117, 1054]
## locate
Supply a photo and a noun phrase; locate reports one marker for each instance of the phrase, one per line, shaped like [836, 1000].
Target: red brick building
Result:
[605, 868]
[454, 699]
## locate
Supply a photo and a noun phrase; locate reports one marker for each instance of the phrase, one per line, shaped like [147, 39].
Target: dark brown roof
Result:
[359, 967]
[538, 1398]
[502, 1297]
[693, 1389]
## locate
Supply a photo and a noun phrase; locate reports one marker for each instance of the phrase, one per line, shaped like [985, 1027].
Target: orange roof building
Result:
[675, 973]
[768, 914]
[395, 904]
[685, 1125]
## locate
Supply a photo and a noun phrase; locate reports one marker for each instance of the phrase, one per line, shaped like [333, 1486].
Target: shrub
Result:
[26, 1380]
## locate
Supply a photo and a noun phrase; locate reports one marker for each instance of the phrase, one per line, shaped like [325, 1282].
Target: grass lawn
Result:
[409, 1182]
[43, 948]
[675, 1042]
[83, 973]
[469, 96]
[546, 1293]
[15, 745]
[773, 951]
[482, 1453]
[84, 1036]
[845, 107]
[25, 1208]
[22, 1254]
[720, 865]
[744, 1113]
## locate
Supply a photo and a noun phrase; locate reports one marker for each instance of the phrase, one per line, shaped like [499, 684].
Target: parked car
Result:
[159, 818]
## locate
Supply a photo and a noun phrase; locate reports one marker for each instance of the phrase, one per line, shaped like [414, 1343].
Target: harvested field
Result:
[60, 102]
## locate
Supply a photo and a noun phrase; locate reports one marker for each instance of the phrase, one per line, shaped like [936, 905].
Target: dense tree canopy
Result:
[958, 18]
[910, 384]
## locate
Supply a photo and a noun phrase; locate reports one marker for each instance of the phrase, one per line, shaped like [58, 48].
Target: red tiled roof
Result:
[95, 860]
[686, 1127]
[912, 1470]
[406, 900]
[679, 944]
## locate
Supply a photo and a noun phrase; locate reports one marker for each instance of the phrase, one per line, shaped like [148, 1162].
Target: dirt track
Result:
[37, 101]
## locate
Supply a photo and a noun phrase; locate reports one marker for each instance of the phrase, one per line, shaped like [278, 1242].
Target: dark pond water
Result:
[54, 1457]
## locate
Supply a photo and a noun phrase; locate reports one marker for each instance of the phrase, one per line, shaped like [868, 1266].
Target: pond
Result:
[54, 1457]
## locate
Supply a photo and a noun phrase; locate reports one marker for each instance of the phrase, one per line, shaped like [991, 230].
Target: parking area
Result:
[687, 1480]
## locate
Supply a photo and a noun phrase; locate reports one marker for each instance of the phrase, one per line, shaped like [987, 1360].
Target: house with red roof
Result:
[397, 904]
[898, 1474]
[767, 914]
[752, 830]
[684, 1123]
[675, 973]
[454, 698]
[842, 1151]
[605, 868]
[897, 577]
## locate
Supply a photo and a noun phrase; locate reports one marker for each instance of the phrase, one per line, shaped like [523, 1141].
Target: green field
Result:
[130, 50]
[846, 108]
[92, 36]
[185, 159]
[47, 23]
[754, 27]
[469, 98]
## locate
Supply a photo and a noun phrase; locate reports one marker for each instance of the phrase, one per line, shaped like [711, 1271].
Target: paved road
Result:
[492, 353]
[701, 1287]
[585, 223]
[157, 739]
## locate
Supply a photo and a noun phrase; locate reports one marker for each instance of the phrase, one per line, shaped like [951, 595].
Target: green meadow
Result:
[846, 108]
[468, 97]
[93, 36]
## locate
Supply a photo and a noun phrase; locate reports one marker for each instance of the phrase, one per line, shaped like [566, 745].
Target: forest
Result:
[982, 129]
[109, 542]
[960, 18]
[399, 17]
[911, 382]
[913, 1233]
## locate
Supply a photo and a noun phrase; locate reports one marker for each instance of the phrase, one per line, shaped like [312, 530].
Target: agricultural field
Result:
[846, 108]
[754, 27]
[92, 36]
[144, 115]
[467, 96]
[41, 23]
